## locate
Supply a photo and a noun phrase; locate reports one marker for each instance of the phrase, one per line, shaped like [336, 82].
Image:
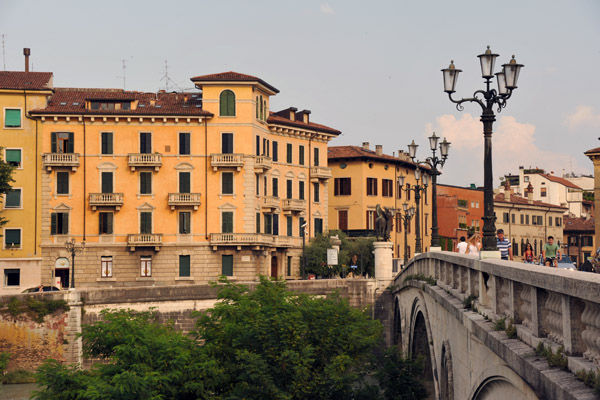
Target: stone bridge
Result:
[466, 357]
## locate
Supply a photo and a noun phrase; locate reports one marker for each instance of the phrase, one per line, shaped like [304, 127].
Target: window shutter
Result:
[145, 222]
[227, 222]
[53, 142]
[257, 222]
[71, 143]
[13, 198]
[289, 225]
[316, 160]
[107, 182]
[109, 223]
[227, 265]
[13, 237]
[65, 223]
[289, 188]
[12, 118]
[53, 224]
[227, 182]
[275, 224]
[184, 265]
[184, 182]
[13, 156]
[275, 151]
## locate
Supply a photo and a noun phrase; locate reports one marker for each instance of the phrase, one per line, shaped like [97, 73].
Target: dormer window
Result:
[110, 105]
[227, 104]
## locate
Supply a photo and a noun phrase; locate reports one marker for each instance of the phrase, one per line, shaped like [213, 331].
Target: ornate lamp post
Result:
[408, 214]
[507, 82]
[417, 189]
[72, 248]
[434, 161]
[303, 232]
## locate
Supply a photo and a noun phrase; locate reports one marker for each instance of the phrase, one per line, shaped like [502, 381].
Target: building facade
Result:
[594, 156]
[363, 179]
[579, 238]
[20, 139]
[176, 188]
[460, 211]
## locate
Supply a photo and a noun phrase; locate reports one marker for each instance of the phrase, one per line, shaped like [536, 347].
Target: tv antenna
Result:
[167, 79]
[124, 75]
[3, 54]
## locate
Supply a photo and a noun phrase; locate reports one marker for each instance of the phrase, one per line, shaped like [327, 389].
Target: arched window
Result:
[227, 102]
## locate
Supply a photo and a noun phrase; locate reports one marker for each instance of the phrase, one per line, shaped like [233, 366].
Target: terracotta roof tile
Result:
[357, 152]
[578, 224]
[21, 80]
[72, 101]
[232, 76]
[591, 151]
[514, 199]
[279, 120]
[562, 181]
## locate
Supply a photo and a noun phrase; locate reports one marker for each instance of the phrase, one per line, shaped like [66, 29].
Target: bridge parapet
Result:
[559, 305]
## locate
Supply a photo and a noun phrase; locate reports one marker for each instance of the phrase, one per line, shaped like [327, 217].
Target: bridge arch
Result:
[421, 343]
[499, 383]
[446, 373]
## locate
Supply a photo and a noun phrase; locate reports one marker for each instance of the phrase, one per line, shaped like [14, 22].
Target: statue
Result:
[383, 222]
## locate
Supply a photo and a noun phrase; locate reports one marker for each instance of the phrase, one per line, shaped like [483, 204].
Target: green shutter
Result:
[109, 223]
[53, 148]
[227, 182]
[107, 142]
[65, 223]
[275, 224]
[227, 222]
[13, 198]
[71, 143]
[289, 226]
[184, 223]
[184, 182]
[231, 104]
[12, 118]
[301, 155]
[257, 222]
[227, 265]
[146, 222]
[12, 237]
[184, 265]
[53, 224]
[145, 182]
[107, 182]
[62, 183]
[13, 156]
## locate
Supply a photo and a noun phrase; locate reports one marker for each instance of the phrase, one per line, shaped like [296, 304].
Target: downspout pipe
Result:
[35, 221]
[205, 179]
[84, 175]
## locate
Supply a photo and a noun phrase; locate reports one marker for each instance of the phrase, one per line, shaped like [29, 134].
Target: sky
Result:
[370, 69]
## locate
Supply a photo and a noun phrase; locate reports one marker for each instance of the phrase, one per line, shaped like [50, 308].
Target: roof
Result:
[72, 101]
[591, 151]
[232, 76]
[514, 199]
[562, 181]
[578, 224]
[20, 80]
[279, 120]
[357, 152]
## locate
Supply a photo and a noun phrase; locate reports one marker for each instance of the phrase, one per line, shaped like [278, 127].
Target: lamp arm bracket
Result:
[473, 99]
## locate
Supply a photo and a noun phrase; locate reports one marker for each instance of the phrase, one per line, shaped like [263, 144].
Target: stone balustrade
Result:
[51, 160]
[145, 160]
[320, 173]
[560, 305]
[226, 160]
[296, 205]
[106, 200]
[144, 240]
[262, 163]
[184, 200]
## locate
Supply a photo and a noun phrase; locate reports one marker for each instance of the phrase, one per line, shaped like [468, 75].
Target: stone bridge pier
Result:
[468, 355]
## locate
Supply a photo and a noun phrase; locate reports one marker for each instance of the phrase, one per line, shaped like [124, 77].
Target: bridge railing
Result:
[560, 305]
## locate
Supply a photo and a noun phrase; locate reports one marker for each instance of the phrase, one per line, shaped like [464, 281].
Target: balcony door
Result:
[62, 142]
[274, 267]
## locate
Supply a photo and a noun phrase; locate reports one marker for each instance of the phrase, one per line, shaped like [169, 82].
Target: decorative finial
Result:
[488, 51]
[451, 66]
[513, 61]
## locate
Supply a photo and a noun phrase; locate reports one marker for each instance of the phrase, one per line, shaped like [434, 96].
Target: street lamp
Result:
[303, 232]
[433, 163]
[507, 82]
[417, 189]
[408, 214]
[72, 248]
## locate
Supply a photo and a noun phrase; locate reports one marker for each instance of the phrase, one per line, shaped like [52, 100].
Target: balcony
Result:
[320, 173]
[240, 239]
[270, 202]
[144, 240]
[286, 241]
[61, 160]
[227, 161]
[184, 200]
[145, 160]
[106, 200]
[293, 205]
[262, 163]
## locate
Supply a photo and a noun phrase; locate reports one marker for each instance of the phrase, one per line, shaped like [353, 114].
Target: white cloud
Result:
[326, 9]
[583, 116]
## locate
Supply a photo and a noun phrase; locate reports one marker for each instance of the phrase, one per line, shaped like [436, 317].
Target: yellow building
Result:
[362, 179]
[171, 188]
[20, 255]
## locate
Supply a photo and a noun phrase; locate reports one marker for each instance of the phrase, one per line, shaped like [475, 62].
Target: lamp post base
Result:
[483, 254]
[435, 249]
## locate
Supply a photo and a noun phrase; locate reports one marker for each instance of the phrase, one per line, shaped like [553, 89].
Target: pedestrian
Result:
[462, 246]
[529, 255]
[550, 252]
[504, 246]
[474, 245]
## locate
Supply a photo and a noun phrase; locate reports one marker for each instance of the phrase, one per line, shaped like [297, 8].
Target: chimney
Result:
[292, 111]
[26, 53]
[303, 116]
[529, 192]
[365, 145]
[378, 149]
[507, 191]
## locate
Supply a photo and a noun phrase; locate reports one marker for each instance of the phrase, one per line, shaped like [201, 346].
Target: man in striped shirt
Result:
[504, 246]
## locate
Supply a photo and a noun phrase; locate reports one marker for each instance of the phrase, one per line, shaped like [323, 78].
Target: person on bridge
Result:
[529, 255]
[462, 246]
[551, 253]
[474, 245]
[504, 246]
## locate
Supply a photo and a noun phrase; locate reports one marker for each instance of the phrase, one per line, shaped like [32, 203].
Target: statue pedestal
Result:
[383, 262]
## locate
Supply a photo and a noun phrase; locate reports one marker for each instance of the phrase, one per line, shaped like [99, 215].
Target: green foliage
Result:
[398, 376]
[420, 277]
[4, 359]
[589, 196]
[468, 302]
[19, 376]
[590, 378]
[557, 359]
[36, 308]
[511, 330]
[500, 324]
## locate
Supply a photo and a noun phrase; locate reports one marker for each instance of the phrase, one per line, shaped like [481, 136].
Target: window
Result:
[318, 226]
[587, 241]
[370, 219]
[13, 199]
[268, 223]
[107, 182]
[275, 187]
[257, 222]
[227, 265]
[145, 142]
[549, 221]
[512, 218]
[343, 220]
[527, 220]
[476, 204]
[301, 226]
[184, 143]
[59, 223]
[257, 177]
[289, 153]
[105, 223]
[398, 223]
[426, 223]
[12, 238]
[316, 157]
[275, 151]
[227, 143]
[398, 190]
[227, 183]
[558, 221]
[505, 218]
[227, 104]
[12, 118]
[12, 277]
[145, 222]
[62, 142]
[13, 157]
[523, 219]
[289, 223]
[106, 267]
[146, 266]
[372, 186]
[342, 186]
[316, 191]
[289, 191]
[289, 266]
[107, 142]
[301, 155]
[301, 190]
[257, 145]
[185, 223]
[227, 222]
[387, 187]
[543, 192]
[184, 182]
[184, 266]
[275, 220]
[145, 182]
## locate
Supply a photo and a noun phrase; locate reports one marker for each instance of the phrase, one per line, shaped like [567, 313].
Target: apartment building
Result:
[176, 188]
[460, 211]
[579, 238]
